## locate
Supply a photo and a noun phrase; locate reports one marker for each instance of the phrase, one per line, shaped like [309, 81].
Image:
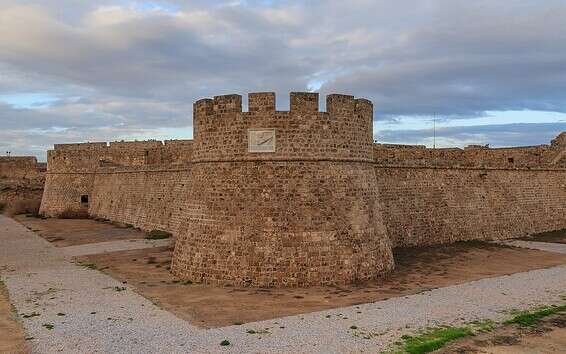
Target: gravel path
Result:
[113, 246]
[541, 246]
[91, 312]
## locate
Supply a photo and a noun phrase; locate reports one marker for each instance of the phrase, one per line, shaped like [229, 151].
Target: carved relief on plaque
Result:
[261, 140]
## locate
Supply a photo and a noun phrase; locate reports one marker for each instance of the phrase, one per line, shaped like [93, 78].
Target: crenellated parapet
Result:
[223, 131]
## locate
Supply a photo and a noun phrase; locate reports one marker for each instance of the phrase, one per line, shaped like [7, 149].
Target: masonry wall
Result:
[21, 181]
[303, 215]
[149, 197]
[427, 206]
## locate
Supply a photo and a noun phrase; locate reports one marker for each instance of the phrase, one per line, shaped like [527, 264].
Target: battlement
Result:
[223, 131]
[266, 102]
[538, 156]
[145, 144]
[81, 146]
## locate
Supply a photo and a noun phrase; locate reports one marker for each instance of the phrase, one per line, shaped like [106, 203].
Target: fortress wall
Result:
[472, 156]
[72, 169]
[173, 152]
[427, 206]
[146, 197]
[21, 179]
[20, 167]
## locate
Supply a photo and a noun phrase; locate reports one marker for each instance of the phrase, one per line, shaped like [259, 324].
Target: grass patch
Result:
[157, 235]
[33, 314]
[88, 265]
[433, 339]
[530, 318]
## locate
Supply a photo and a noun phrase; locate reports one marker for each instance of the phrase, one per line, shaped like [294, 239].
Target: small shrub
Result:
[73, 214]
[157, 235]
[49, 326]
[2, 207]
[225, 342]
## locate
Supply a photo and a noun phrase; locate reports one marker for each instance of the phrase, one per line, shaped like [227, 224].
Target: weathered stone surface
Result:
[324, 208]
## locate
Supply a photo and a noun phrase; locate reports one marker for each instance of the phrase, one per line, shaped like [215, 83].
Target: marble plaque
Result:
[261, 140]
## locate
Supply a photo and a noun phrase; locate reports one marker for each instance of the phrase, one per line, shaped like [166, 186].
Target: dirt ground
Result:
[548, 336]
[12, 336]
[417, 270]
[558, 236]
[72, 232]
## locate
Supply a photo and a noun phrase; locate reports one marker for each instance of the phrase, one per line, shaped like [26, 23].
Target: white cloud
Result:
[128, 68]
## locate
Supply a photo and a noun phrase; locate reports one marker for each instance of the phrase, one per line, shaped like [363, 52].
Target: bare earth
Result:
[147, 271]
[73, 232]
[418, 270]
[12, 336]
[548, 336]
[92, 312]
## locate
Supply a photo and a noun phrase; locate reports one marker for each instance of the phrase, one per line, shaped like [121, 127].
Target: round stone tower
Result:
[282, 198]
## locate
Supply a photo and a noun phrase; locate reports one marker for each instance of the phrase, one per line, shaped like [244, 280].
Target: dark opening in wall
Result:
[510, 160]
[84, 199]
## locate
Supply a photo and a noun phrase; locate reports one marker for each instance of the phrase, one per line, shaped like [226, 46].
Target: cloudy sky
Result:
[487, 71]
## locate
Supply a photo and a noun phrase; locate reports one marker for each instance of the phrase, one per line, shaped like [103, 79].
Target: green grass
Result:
[87, 265]
[433, 339]
[157, 235]
[530, 318]
[33, 314]
[225, 342]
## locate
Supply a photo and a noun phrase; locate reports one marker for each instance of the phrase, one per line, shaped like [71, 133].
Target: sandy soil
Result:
[72, 232]
[549, 337]
[417, 270]
[12, 336]
[558, 236]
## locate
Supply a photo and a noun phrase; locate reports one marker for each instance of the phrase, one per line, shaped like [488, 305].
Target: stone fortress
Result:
[302, 197]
